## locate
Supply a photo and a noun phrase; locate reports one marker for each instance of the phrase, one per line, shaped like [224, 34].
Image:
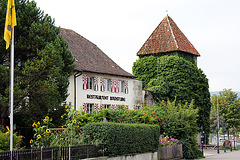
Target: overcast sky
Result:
[120, 27]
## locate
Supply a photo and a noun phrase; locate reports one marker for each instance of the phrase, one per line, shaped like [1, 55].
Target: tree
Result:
[214, 116]
[229, 108]
[43, 65]
[172, 77]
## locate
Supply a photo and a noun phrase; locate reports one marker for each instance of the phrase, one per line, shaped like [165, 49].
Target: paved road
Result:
[213, 155]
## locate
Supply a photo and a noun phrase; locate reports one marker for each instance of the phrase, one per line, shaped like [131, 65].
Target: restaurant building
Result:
[97, 80]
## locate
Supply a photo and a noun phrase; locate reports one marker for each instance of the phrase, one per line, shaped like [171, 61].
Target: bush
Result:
[5, 141]
[123, 139]
[190, 151]
[181, 122]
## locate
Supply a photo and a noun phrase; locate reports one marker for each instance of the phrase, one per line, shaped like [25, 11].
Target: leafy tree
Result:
[229, 108]
[214, 120]
[43, 65]
[181, 121]
[172, 77]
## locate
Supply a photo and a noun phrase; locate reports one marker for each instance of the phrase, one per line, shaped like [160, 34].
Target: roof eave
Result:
[128, 76]
[147, 54]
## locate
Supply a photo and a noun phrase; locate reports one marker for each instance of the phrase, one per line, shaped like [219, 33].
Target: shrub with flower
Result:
[167, 141]
[5, 139]
[165, 114]
[69, 133]
[43, 135]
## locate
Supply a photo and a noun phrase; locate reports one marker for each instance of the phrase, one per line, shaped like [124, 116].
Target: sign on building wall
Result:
[111, 98]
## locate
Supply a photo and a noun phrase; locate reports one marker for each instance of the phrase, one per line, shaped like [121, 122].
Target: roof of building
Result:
[167, 37]
[89, 58]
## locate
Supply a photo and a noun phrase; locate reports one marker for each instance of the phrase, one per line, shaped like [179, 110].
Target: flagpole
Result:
[10, 22]
[11, 91]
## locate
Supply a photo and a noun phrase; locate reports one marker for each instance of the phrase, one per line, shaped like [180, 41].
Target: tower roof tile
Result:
[167, 37]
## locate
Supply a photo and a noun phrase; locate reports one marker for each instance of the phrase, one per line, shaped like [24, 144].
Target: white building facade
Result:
[90, 91]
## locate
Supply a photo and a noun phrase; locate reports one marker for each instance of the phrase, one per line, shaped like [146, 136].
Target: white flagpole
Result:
[11, 91]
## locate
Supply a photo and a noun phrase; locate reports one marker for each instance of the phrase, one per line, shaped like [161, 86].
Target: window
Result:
[121, 86]
[90, 83]
[107, 83]
[108, 106]
[90, 107]
[138, 107]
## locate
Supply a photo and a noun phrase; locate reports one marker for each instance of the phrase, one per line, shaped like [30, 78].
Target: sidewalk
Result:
[213, 155]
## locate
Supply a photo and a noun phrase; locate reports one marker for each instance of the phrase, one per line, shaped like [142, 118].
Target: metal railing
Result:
[56, 153]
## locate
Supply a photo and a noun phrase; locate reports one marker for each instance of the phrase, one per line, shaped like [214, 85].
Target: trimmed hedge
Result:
[123, 139]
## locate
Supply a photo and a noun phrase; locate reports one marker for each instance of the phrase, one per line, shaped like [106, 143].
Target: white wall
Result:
[70, 98]
[133, 97]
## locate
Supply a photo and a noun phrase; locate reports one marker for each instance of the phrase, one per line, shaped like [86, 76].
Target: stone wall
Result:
[170, 152]
[164, 153]
[148, 98]
[144, 156]
[137, 92]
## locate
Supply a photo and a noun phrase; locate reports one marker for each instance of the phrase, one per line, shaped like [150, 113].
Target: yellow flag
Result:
[10, 22]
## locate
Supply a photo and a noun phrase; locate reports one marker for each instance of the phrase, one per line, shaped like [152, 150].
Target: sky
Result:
[120, 27]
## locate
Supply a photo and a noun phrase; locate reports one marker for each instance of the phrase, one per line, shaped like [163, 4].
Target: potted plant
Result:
[169, 148]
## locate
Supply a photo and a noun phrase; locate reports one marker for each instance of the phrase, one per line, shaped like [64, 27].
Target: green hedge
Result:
[123, 139]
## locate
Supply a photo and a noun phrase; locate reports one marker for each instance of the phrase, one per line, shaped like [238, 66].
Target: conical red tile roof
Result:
[167, 37]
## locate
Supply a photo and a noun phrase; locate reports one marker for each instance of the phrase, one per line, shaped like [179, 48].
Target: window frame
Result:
[90, 83]
[121, 86]
[107, 84]
[90, 107]
[138, 107]
[107, 106]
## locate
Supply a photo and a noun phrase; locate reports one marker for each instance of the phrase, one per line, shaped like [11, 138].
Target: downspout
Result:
[76, 75]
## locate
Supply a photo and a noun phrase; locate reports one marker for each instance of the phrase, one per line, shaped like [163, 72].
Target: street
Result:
[212, 154]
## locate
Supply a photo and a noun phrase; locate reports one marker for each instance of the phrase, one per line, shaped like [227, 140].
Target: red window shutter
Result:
[117, 107]
[103, 106]
[84, 81]
[126, 87]
[116, 86]
[96, 107]
[96, 83]
[112, 85]
[135, 107]
[85, 107]
[113, 106]
[102, 84]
